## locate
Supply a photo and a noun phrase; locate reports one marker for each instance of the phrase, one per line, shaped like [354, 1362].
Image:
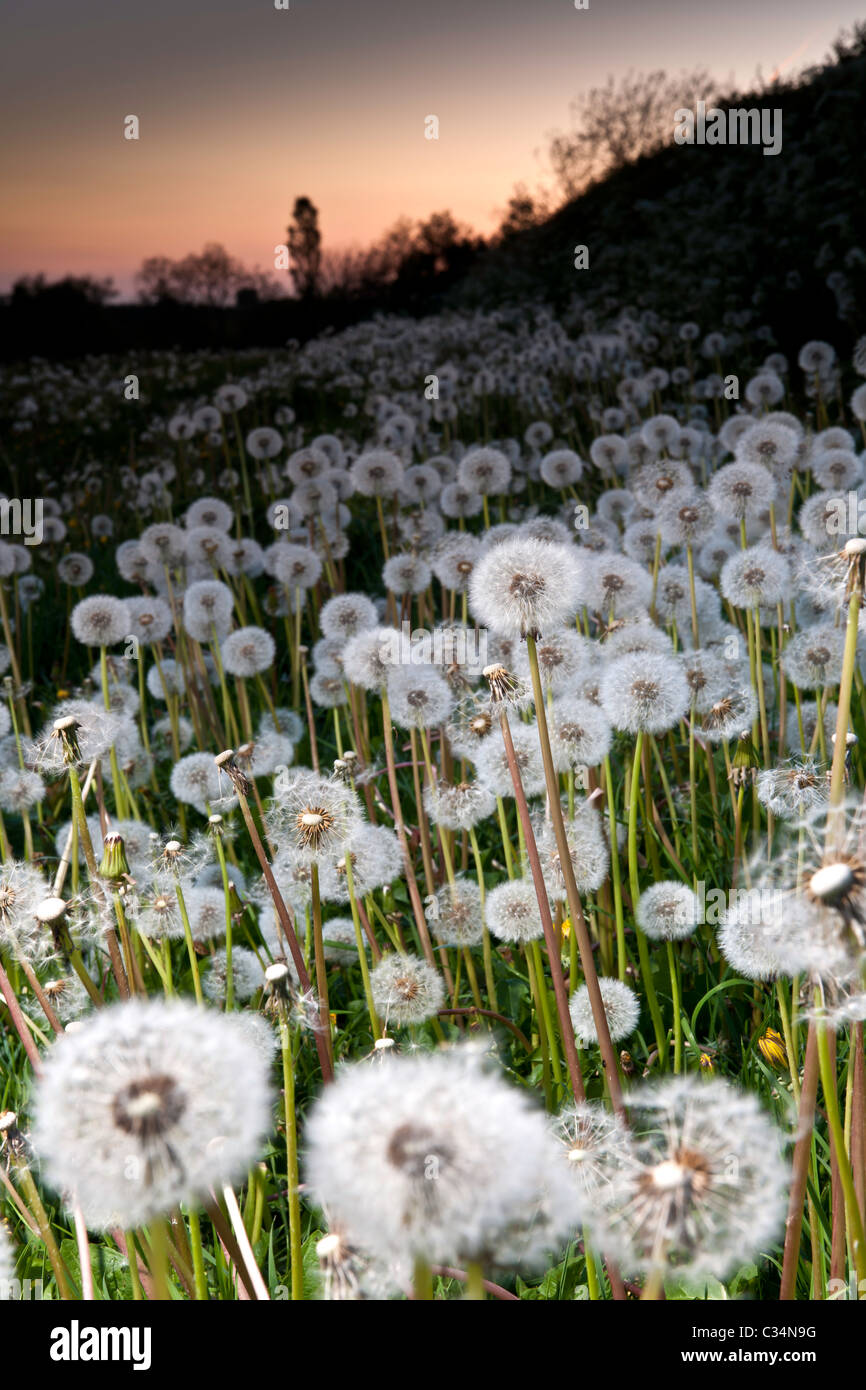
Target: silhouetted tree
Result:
[72, 289]
[212, 277]
[305, 248]
[617, 123]
[524, 210]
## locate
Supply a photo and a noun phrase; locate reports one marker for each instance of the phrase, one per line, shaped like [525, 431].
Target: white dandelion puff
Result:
[147, 1105]
[406, 990]
[621, 1008]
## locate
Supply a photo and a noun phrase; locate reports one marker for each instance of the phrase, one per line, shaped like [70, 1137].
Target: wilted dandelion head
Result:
[793, 788]
[730, 715]
[147, 1105]
[807, 904]
[596, 1143]
[317, 813]
[705, 1185]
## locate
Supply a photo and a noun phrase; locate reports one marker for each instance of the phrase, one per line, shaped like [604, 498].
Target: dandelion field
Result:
[432, 820]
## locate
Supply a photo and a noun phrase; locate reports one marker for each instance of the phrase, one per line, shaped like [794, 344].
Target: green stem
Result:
[634, 884]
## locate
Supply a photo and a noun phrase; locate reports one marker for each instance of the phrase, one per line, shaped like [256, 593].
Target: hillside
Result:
[698, 231]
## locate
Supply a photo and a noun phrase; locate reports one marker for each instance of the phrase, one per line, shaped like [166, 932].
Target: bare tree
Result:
[615, 124]
[211, 276]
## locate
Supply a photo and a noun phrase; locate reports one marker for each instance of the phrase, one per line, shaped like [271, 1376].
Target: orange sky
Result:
[243, 107]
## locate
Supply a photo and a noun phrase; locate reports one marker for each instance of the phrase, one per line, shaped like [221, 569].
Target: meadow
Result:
[431, 815]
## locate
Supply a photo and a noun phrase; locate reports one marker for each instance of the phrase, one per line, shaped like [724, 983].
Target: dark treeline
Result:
[209, 299]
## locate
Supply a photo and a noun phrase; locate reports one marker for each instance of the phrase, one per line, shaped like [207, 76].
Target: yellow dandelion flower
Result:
[772, 1048]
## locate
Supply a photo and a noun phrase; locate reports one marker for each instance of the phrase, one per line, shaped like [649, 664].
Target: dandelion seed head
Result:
[147, 1105]
[524, 586]
[621, 1007]
[430, 1156]
[668, 911]
[406, 990]
[644, 693]
[99, 621]
[512, 912]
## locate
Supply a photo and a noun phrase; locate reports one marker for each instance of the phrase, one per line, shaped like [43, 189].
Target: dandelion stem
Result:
[244, 1246]
[634, 884]
[853, 1217]
[578, 921]
[565, 1025]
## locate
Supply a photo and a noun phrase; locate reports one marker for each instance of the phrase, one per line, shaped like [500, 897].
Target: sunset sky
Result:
[242, 107]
